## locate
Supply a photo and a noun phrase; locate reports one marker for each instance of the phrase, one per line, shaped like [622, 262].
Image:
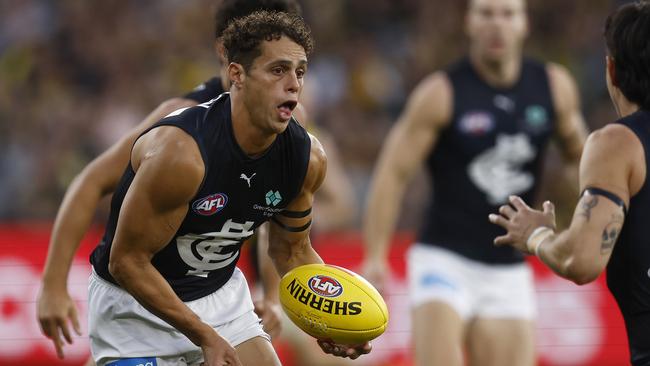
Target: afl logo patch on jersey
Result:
[325, 286]
[210, 205]
[476, 123]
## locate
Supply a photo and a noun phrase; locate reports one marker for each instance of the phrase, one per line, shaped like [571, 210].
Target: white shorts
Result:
[473, 289]
[120, 328]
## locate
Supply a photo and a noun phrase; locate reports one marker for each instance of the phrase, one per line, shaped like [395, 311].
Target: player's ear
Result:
[236, 74]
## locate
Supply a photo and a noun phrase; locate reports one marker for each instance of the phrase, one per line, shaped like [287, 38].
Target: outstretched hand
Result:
[520, 221]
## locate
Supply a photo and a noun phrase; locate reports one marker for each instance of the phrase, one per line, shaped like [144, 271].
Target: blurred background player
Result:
[99, 179]
[610, 225]
[482, 127]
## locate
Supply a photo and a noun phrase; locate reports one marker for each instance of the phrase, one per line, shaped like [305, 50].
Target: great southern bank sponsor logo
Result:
[210, 205]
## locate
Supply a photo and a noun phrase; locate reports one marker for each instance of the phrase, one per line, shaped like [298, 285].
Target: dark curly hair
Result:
[627, 33]
[227, 10]
[243, 36]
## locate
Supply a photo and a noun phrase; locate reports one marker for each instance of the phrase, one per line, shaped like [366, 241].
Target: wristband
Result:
[537, 237]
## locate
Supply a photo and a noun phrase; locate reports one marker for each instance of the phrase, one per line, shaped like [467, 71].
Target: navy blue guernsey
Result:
[206, 91]
[628, 270]
[237, 195]
[492, 148]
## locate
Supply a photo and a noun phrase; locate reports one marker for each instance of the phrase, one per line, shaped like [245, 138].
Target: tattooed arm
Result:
[613, 161]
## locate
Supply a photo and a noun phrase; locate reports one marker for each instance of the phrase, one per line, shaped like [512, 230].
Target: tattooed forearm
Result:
[587, 205]
[610, 233]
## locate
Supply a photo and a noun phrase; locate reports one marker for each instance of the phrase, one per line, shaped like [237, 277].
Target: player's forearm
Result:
[268, 274]
[289, 255]
[560, 254]
[72, 222]
[140, 278]
[380, 217]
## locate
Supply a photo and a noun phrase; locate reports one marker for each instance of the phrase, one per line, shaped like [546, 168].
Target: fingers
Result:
[353, 352]
[64, 329]
[549, 208]
[507, 211]
[51, 330]
[58, 343]
[518, 203]
[499, 220]
[503, 240]
[356, 352]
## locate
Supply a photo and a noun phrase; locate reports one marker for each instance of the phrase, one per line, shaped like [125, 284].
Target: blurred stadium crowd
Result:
[75, 75]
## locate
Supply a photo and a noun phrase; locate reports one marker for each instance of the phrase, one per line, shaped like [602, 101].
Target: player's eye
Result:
[300, 73]
[279, 70]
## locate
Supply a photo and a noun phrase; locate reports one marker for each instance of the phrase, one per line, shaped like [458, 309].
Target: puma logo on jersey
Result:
[210, 205]
[247, 179]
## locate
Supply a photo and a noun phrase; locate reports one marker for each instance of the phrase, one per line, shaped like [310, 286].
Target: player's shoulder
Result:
[614, 139]
[612, 133]
[169, 154]
[317, 166]
[558, 73]
[432, 100]
[435, 85]
[562, 85]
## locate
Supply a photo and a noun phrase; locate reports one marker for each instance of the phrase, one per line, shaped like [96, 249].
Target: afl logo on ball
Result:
[210, 205]
[325, 286]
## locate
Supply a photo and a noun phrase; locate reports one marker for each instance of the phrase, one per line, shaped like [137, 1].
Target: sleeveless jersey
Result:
[237, 195]
[491, 149]
[206, 91]
[628, 270]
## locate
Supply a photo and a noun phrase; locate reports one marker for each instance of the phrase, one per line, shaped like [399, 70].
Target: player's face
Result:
[497, 28]
[274, 82]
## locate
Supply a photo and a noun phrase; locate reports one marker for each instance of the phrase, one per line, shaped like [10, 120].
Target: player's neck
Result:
[251, 139]
[623, 106]
[501, 74]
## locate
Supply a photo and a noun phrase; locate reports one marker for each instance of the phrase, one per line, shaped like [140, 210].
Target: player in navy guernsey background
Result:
[610, 225]
[55, 307]
[481, 127]
[183, 192]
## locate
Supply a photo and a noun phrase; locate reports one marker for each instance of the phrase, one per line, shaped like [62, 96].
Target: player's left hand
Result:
[520, 221]
[270, 312]
[342, 350]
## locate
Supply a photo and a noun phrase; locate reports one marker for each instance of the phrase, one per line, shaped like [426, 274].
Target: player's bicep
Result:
[169, 172]
[596, 225]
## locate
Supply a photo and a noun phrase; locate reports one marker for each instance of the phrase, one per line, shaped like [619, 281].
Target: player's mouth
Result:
[285, 109]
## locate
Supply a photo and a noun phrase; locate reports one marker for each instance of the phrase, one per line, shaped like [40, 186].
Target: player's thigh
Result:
[257, 351]
[501, 342]
[438, 331]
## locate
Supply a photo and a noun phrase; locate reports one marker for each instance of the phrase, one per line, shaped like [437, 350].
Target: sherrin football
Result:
[331, 302]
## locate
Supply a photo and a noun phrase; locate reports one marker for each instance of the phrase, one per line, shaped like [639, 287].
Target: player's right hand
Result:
[55, 309]
[377, 272]
[218, 352]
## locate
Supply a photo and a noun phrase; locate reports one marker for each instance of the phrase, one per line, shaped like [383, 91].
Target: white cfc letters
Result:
[211, 251]
[498, 171]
